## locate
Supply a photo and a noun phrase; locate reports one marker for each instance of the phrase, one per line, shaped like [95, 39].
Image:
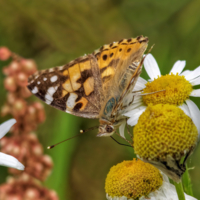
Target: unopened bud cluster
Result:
[29, 151]
[23, 143]
[25, 188]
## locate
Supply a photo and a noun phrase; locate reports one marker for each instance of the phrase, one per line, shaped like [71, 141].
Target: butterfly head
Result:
[106, 130]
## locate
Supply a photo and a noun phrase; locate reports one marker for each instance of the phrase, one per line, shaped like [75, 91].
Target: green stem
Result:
[179, 190]
[187, 185]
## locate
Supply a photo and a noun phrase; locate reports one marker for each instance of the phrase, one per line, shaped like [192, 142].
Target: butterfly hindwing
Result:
[74, 88]
[118, 90]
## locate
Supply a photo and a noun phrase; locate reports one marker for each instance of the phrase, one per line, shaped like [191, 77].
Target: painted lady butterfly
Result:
[98, 85]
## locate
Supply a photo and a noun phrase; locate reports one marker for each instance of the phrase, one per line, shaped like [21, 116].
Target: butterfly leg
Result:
[121, 143]
[128, 130]
[124, 139]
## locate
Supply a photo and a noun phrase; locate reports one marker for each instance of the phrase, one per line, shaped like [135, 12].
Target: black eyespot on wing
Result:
[104, 57]
[128, 50]
[77, 107]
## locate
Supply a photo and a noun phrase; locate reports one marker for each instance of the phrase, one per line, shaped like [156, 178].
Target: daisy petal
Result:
[5, 127]
[10, 161]
[178, 67]
[195, 81]
[151, 67]
[193, 74]
[186, 72]
[195, 93]
[185, 109]
[195, 113]
[132, 121]
[121, 129]
[140, 84]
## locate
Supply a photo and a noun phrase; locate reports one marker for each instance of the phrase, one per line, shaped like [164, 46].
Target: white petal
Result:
[185, 73]
[195, 113]
[193, 74]
[5, 127]
[134, 106]
[195, 93]
[140, 84]
[132, 121]
[178, 67]
[185, 109]
[151, 67]
[10, 161]
[167, 192]
[165, 177]
[121, 129]
[195, 81]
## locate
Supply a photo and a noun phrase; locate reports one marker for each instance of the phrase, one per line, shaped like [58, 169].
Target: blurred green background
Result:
[55, 32]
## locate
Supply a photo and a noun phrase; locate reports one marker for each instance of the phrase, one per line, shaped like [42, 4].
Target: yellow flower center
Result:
[164, 130]
[132, 179]
[177, 90]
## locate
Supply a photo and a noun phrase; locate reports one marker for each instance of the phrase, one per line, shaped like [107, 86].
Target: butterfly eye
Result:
[109, 129]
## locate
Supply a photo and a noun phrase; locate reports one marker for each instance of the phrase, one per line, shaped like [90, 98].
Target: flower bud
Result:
[10, 84]
[4, 53]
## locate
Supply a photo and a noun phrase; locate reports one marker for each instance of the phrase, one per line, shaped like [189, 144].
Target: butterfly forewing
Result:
[74, 88]
[84, 86]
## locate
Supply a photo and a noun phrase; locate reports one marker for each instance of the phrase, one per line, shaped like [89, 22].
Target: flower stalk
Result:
[179, 190]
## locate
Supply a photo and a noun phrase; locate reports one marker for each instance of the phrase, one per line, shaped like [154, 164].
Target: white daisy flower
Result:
[7, 160]
[177, 86]
[131, 180]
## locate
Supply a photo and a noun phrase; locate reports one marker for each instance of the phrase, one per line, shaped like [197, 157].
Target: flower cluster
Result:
[165, 117]
[166, 131]
[29, 151]
[23, 143]
[25, 187]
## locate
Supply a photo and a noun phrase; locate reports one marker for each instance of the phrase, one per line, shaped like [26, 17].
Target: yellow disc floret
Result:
[163, 130]
[177, 90]
[132, 179]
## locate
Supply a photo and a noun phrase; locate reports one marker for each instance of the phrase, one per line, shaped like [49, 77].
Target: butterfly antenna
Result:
[81, 132]
[89, 129]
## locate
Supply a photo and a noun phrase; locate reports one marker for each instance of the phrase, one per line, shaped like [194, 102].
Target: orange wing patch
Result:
[89, 86]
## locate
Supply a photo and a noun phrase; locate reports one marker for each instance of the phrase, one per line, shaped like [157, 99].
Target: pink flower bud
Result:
[10, 83]
[37, 150]
[47, 160]
[14, 67]
[28, 66]
[4, 53]
[24, 92]
[5, 110]
[19, 107]
[14, 197]
[31, 194]
[22, 79]
[11, 97]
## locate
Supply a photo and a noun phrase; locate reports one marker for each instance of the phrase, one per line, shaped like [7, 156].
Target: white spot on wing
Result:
[49, 94]
[54, 78]
[34, 90]
[51, 70]
[71, 101]
[38, 82]
[60, 68]
[44, 78]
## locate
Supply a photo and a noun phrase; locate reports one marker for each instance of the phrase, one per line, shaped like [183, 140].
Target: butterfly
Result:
[97, 85]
